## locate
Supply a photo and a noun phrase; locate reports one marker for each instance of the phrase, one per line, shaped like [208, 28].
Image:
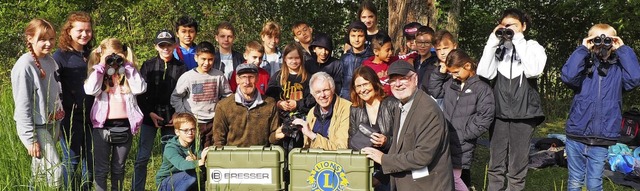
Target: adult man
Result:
[419, 157]
[328, 126]
[246, 118]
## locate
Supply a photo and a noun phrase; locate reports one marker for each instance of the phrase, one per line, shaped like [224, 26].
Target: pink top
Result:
[117, 105]
[100, 108]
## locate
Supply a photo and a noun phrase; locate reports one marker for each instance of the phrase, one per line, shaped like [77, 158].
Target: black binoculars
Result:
[504, 33]
[602, 40]
[114, 62]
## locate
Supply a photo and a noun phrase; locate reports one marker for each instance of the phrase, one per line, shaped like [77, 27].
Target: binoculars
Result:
[114, 62]
[602, 40]
[504, 33]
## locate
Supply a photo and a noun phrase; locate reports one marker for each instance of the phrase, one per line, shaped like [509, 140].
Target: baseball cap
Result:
[409, 30]
[400, 67]
[165, 36]
[246, 68]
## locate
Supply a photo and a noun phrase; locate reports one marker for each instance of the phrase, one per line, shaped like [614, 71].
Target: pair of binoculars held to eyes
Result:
[505, 35]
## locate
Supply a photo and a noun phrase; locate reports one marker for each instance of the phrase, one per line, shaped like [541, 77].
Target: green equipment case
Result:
[255, 168]
[320, 170]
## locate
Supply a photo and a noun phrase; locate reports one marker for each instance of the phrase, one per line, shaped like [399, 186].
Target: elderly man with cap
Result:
[328, 121]
[246, 118]
[419, 157]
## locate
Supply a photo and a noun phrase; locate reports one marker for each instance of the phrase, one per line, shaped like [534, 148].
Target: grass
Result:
[16, 173]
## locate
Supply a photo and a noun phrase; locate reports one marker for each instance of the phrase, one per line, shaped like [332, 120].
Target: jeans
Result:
[180, 181]
[110, 158]
[76, 148]
[585, 164]
[145, 146]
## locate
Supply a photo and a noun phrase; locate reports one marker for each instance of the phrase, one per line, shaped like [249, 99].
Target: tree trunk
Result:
[402, 12]
[453, 17]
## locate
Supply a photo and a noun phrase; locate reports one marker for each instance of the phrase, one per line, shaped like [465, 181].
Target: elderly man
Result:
[246, 118]
[419, 156]
[328, 121]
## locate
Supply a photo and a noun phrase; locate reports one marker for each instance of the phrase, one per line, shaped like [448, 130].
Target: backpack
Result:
[630, 128]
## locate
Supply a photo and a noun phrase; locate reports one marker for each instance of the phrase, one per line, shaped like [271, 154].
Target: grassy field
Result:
[16, 172]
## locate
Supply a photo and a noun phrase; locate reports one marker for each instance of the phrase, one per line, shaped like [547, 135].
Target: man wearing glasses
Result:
[246, 118]
[328, 121]
[419, 157]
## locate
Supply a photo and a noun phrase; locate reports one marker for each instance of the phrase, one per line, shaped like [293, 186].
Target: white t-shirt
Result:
[227, 59]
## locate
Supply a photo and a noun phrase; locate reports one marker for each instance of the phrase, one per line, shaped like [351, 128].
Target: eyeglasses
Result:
[187, 131]
[423, 43]
[400, 80]
[322, 92]
[363, 85]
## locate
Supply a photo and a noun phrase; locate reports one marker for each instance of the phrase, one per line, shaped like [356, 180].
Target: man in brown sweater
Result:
[246, 118]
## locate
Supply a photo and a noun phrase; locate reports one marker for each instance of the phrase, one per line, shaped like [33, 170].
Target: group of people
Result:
[417, 115]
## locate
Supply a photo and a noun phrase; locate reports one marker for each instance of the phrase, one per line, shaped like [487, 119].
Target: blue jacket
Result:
[595, 116]
[349, 62]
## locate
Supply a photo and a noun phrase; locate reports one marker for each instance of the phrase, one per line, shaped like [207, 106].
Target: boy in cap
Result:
[161, 74]
[356, 32]
[409, 32]
[253, 54]
[321, 49]
[187, 29]
[247, 118]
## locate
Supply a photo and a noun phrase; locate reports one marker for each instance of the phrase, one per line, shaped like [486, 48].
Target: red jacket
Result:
[262, 82]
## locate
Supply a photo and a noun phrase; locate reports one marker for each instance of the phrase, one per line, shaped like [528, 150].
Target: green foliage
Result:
[135, 22]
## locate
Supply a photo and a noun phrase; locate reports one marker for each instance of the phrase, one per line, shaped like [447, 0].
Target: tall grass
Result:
[14, 158]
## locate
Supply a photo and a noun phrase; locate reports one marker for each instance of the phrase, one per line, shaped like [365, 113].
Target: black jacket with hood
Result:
[469, 111]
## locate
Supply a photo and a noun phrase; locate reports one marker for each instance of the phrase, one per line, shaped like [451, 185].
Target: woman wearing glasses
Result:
[371, 118]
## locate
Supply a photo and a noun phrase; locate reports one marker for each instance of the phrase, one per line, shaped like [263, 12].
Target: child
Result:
[383, 50]
[353, 58]
[253, 53]
[227, 59]
[114, 81]
[426, 62]
[303, 35]
[73, 51]
[468, 106]
[322, 46]
[409, 32]
[272, 58]
[198, 90]
[368, 14]
[290, 88]
[178, 169]
[514, 73]
[161, 74]
[187, 29]
[598, 72]
[444, 43]
[36, 95]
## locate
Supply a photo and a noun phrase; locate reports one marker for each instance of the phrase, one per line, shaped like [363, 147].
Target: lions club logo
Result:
[327, 176]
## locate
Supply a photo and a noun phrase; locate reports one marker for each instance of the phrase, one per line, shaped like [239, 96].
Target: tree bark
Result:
[402, 12]
[453, 18]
